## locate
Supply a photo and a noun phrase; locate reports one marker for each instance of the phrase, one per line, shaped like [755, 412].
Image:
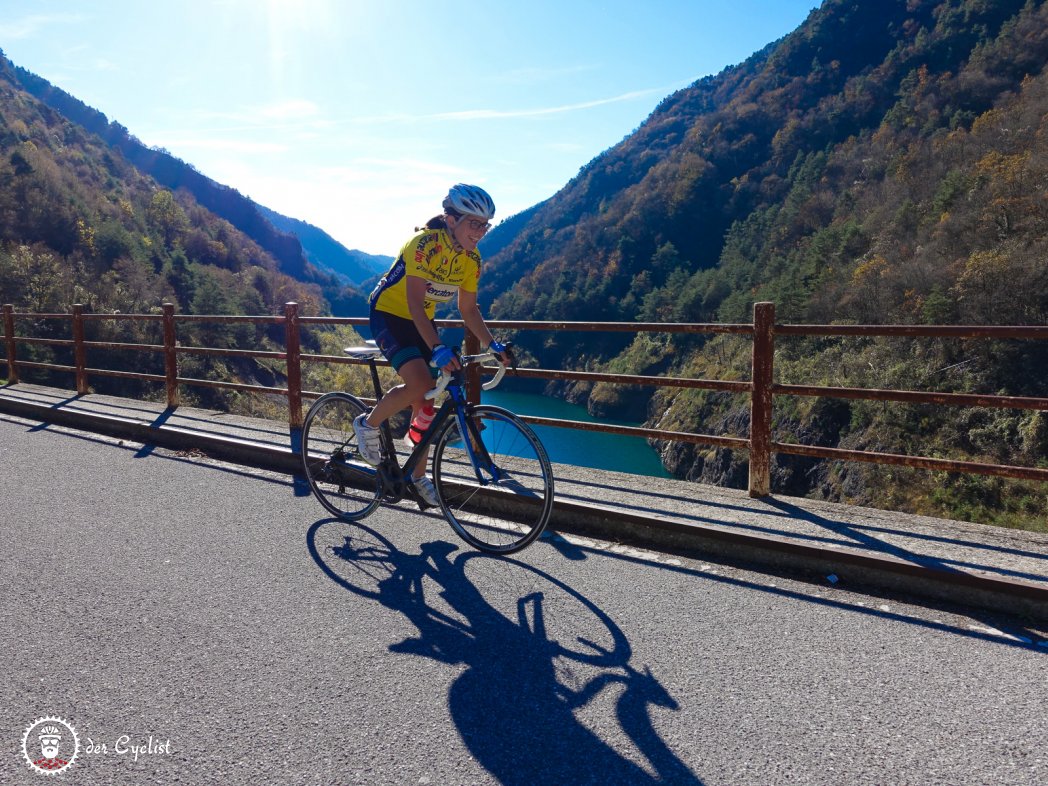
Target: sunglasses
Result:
[477, 225]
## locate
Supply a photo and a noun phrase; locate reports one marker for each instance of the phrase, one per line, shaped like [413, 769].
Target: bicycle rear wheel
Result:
[345, 485]
[499, 501]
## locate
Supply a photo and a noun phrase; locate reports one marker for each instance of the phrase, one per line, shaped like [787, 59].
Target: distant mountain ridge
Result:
[354, 267]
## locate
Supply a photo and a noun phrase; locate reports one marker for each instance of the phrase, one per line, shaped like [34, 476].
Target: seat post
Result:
[374, 378]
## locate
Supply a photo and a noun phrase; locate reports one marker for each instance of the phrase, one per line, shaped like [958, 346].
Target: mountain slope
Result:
[79, 223]
[292, 256]
[885, 162]
[714, 153]
[290, 241]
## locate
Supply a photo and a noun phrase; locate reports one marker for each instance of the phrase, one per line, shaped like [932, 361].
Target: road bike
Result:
[493, 479]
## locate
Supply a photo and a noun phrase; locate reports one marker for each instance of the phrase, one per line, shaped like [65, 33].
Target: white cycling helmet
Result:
[469, 200]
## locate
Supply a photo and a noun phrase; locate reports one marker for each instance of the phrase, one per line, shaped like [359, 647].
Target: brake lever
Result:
[512, 355]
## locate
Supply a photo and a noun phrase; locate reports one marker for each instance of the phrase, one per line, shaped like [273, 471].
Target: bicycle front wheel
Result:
[497, 491]
[340, 479]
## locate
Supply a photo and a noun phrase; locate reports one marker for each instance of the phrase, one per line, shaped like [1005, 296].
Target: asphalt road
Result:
[200, 623]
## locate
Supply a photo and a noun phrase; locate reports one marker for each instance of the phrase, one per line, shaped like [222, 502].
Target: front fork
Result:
[479, 458]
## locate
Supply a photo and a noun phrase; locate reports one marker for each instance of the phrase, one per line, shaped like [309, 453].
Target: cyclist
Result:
[439, 263]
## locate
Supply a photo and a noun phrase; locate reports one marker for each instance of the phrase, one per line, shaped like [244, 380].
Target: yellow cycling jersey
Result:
[430, 255]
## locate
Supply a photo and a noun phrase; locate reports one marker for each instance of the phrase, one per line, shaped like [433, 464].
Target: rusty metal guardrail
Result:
[761, 388]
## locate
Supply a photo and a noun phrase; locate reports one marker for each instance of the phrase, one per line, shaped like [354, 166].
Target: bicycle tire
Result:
[509, 509]
[340, 479]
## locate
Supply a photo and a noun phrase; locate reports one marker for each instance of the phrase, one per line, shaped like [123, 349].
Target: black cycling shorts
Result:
[398, 338]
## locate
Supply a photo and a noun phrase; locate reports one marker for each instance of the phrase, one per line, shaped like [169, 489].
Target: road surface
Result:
[199, 623]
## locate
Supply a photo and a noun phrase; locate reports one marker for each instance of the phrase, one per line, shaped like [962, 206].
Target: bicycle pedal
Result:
[411, 493]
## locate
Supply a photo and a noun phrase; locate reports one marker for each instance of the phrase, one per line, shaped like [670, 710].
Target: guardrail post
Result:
[292, 344]
[9, 335]
[471, 346]
[79, 350]
[170, 356]
[761, 399]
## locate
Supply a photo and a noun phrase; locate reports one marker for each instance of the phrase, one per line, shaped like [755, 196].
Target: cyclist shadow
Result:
[515, 703]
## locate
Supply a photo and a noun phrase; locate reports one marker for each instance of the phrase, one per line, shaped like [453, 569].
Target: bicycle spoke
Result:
[344, 484]
[509, 507]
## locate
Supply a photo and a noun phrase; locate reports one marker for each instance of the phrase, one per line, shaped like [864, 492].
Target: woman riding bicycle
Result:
[440, 262]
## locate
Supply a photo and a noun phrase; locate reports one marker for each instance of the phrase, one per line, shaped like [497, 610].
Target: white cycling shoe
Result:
[369, 441]
[426, 490]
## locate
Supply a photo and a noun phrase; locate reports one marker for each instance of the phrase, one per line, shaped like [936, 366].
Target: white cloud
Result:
[298, 115]
[307, 118]
[295, 109]
[29, 26]
[535, 74]
[241, 146]
[502, 114]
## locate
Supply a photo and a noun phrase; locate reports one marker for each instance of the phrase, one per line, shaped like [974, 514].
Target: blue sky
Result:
[357, 116]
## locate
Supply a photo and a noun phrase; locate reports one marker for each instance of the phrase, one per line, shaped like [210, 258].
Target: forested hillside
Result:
[74, 212]
[311, 256]
[887, 162]
[80, 223]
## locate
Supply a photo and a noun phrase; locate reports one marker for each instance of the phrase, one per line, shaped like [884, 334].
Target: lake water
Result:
[595, 449]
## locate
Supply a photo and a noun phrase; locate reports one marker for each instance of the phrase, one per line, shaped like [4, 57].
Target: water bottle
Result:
[421, 423]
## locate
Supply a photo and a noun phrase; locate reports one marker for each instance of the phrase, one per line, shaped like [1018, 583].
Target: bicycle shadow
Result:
[517, 703]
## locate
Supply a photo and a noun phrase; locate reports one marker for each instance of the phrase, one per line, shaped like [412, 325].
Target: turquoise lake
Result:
[595, 449]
